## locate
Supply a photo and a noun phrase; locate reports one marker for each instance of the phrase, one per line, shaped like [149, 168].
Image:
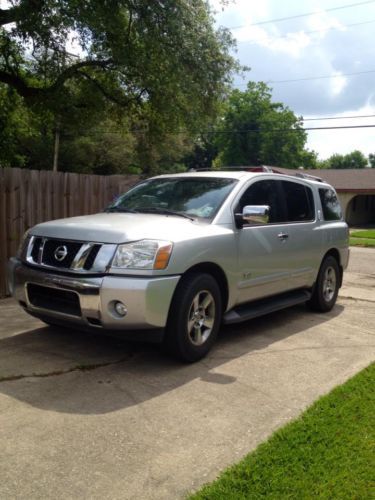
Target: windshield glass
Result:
[195, 197]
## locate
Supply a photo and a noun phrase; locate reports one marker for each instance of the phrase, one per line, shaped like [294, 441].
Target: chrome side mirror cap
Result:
[255, 214]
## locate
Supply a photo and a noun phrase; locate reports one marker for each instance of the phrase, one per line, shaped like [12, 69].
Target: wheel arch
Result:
[216, 272]
[333, 252]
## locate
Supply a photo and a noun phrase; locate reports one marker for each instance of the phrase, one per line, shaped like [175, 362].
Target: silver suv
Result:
[177, 255]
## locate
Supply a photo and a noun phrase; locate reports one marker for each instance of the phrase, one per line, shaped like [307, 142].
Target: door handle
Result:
[283, 236]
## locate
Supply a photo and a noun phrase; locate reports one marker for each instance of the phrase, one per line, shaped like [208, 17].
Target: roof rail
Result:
[259, 168]
[309, 177]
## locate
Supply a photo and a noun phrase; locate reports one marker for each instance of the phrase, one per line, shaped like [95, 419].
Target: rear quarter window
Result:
[330, 204]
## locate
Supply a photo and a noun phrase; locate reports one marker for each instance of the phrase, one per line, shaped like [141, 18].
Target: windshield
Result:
[195, 197]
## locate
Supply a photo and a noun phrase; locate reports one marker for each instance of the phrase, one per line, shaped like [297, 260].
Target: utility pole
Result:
[57, 145]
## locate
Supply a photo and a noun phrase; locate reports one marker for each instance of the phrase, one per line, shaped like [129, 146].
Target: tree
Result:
[204, 152]
[254, 131]
[94, 138]
[355, 159]
[371, 159]
[161, 58]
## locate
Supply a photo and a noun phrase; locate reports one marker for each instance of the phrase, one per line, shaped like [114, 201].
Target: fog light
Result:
[120, 308]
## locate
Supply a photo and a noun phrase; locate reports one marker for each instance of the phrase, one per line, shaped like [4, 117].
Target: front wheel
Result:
[194, 317]
[326, 286]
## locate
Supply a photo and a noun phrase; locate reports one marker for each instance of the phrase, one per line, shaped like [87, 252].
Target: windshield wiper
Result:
[121, 210]
[163, 211]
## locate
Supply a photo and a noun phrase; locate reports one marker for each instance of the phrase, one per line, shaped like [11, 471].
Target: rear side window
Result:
[330, 204]
[299, 202]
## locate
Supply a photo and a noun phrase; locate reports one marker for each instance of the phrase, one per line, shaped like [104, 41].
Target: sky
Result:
[320, 39]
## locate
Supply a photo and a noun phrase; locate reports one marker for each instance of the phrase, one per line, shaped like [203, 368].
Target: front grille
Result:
[63, 254]
[91, 257]
[53, 299]
[53, 250]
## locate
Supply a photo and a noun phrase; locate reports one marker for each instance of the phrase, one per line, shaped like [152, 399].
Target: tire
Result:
[326, 287]
[194, 317]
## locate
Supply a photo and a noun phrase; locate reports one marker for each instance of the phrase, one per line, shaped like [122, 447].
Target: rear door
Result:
[303, 243]
[283, 254]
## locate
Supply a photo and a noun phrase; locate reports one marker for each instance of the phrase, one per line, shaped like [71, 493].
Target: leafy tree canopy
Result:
[371, 159]
[355, 159]
[255, 131]
[160, 57]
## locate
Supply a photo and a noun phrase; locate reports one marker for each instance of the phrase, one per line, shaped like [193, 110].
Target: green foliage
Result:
[371, 160]
[355, 159]
[327, 453]
[203, 153]
[159, 66]
[12, 124]
[255, 131]
[163, 58]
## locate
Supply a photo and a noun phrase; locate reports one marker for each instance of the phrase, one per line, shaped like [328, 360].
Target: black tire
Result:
[326, 287]
[194, 317]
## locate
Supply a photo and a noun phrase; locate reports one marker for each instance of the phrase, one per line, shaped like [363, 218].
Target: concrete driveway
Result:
[83, 416]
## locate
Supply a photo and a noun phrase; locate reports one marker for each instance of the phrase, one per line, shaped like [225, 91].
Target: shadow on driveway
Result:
[74, 372]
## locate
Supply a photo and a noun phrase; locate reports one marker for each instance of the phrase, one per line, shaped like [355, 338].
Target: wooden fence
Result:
[28, 197]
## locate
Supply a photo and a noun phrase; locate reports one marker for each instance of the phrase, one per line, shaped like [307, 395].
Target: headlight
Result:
[22, 246]
[144, 254]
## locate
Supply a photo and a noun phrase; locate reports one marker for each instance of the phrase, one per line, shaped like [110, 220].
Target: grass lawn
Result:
[362, 238]
[328, 452]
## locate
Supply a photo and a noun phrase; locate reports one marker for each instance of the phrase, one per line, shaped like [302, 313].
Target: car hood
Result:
[121, 228]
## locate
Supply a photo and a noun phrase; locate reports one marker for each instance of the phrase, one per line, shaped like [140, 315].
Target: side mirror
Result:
[253, 214]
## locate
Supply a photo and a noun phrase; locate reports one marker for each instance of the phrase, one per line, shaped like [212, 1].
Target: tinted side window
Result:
[330, 204]
[299, 202]
[264, 193]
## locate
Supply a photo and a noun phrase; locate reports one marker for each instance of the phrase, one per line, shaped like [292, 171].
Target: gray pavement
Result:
[83, 416]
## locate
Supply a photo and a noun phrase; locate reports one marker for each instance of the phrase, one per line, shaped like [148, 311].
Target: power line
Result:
[336, 118]
[254, 42]
[284, 130]
[339, 127]
[280, 19]
[324, 77]
[243, 131]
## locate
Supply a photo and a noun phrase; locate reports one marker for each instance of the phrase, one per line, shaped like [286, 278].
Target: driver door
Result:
[263, 251]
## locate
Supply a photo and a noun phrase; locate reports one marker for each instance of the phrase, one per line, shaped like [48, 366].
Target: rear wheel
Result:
[194, 317]
[326, 286]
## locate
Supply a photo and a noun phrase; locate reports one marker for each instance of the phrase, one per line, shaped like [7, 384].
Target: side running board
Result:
[264, 306]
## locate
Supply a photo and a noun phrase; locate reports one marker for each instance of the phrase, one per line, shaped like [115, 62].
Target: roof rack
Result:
[309, 177]
[260, 168]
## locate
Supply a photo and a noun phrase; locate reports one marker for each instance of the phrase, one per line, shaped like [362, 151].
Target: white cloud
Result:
[337, 83]
[343, 141]
[321, 22]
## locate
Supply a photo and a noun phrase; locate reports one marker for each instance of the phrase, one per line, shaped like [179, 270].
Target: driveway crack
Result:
[56, 373]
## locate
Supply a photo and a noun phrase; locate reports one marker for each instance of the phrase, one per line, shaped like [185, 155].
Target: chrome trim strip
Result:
[40, 251]
[82, 254]
[69, 284]
[30, 246]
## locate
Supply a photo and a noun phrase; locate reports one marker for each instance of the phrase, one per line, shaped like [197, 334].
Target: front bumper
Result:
[147, 300]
